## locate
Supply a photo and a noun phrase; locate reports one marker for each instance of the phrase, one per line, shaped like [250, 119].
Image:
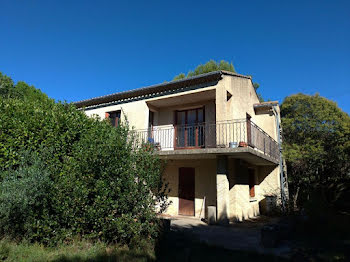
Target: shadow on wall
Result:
[270, 205]
[223, 217]
[243, 206]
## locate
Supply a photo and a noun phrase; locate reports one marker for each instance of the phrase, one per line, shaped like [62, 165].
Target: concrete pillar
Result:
[222, 190]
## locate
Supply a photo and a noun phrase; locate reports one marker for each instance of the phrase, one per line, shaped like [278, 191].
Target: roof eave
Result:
[195, 80]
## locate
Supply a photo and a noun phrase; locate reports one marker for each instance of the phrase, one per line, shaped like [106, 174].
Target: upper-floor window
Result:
[190, 117]
[114, 117]
[189, 128]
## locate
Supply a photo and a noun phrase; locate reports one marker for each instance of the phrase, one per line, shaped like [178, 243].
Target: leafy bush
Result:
[106, 192]
[25, 199]
[82, 177]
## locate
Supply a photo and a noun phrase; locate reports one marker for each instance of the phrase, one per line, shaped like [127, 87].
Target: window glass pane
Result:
[180, 129]
[180, 136]
[114, 118]
[200, 135]
[191, 117]
[181, 118]
[191, 128]
[191, 135]
[200, 115]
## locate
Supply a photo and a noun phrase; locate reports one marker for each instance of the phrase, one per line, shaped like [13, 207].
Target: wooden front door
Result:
[186, 191]
[251, 178]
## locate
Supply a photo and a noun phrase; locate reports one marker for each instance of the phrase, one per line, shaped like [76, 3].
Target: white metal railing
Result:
[233, 133]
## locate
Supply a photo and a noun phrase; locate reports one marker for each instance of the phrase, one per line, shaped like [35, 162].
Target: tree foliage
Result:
[316, 142]
[209, 66]
[87, 177]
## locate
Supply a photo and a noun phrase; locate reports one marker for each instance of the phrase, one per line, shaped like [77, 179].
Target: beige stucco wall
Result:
[267, 177]
[269, 181]
[136, 112]
[205, 183]
[213, 186]
[242, 206]
[242, 101]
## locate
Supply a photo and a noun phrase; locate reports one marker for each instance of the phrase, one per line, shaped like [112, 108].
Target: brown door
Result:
[186, 191]
[251, 174]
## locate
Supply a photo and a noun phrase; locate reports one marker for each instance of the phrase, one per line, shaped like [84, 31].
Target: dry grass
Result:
[80, 251]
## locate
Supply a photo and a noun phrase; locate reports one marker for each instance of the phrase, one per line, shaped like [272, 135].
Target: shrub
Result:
[83, 176]
[106, 192]
[25, 200]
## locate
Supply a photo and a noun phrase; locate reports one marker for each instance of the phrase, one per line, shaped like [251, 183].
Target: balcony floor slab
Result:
[245, 153]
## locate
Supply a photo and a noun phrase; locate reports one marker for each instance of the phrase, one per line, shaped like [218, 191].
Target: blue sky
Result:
[74, 50]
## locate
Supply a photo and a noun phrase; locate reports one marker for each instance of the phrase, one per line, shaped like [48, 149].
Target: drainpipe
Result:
[278, 130]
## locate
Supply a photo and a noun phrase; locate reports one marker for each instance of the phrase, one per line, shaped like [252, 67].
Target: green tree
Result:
[21, 91]
[209, 66]
[316, 142]
[6, 84]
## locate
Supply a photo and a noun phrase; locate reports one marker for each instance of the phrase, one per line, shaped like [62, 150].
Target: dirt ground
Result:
[244, 236]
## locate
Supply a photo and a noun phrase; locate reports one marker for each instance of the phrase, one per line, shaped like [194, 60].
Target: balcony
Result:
[235, 136]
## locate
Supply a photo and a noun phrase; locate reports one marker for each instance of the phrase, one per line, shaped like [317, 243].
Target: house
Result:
[220, 142]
